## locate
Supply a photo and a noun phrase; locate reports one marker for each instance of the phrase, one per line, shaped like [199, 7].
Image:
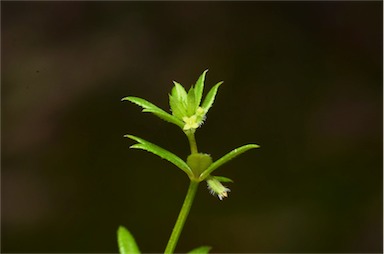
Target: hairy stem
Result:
[182, 217]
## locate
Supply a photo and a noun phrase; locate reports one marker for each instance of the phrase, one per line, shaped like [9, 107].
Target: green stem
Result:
[192, 141]
[192, 189]
[182, 217]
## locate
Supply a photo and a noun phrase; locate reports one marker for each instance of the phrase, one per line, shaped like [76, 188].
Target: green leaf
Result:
[234, 153]
[199, 87]
[141, 102]
[223, 179]
[199, 162]
[179, 92]
[191, 102]
[149, 107]
[210, 98]
[178, 109]
[161, 152]
[126, 242]
[200, 250]
[167, 117]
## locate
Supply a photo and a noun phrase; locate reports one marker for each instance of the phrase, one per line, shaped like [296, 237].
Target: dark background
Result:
[301, 79]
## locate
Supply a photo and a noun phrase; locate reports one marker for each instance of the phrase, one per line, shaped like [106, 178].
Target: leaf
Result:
[199, 87]
[177, 107]
[232, 154]
[149, 107]
[191, 102]
[161, 152]
[199, 162]
[200, 250]
[141, 102]
[179, 92]
[223, 179]
[210, 98]
[167, 117]
[126, 242]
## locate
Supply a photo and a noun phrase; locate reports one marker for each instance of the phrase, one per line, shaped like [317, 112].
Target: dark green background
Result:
[301, 79]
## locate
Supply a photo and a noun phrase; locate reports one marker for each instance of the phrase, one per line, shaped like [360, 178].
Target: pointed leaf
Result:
[179, 92]
[126, 242]
[200, 250]
[199, 87]
[161, 152]
[226, 158]
[141, 102]
[223, 179]
[166, 117]
[178, 109]
[191, 102]
[210, 98]
[149, 107]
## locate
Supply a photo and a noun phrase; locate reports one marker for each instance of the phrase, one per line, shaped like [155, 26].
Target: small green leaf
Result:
[191, 102]
[179, 92]
[149, 107]
[166, 117]
[223, 179]
[210, 98]
[234, 153]
[199, 87]
[141, 102]
[161, 152]
[199, 162]
[126, 242]
[177, 107]
[200, 250]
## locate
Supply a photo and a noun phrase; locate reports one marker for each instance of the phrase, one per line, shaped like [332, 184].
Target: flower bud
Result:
[216, 188]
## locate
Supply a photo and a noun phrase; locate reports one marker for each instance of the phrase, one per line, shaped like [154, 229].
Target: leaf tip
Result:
[121, 228]
[200, 250]
[126, 242]
[132, 137]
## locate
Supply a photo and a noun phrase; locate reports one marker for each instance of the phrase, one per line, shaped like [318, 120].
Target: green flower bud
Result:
[216, 188]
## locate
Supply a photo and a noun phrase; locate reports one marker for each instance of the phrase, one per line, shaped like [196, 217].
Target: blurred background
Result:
[301, 79]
